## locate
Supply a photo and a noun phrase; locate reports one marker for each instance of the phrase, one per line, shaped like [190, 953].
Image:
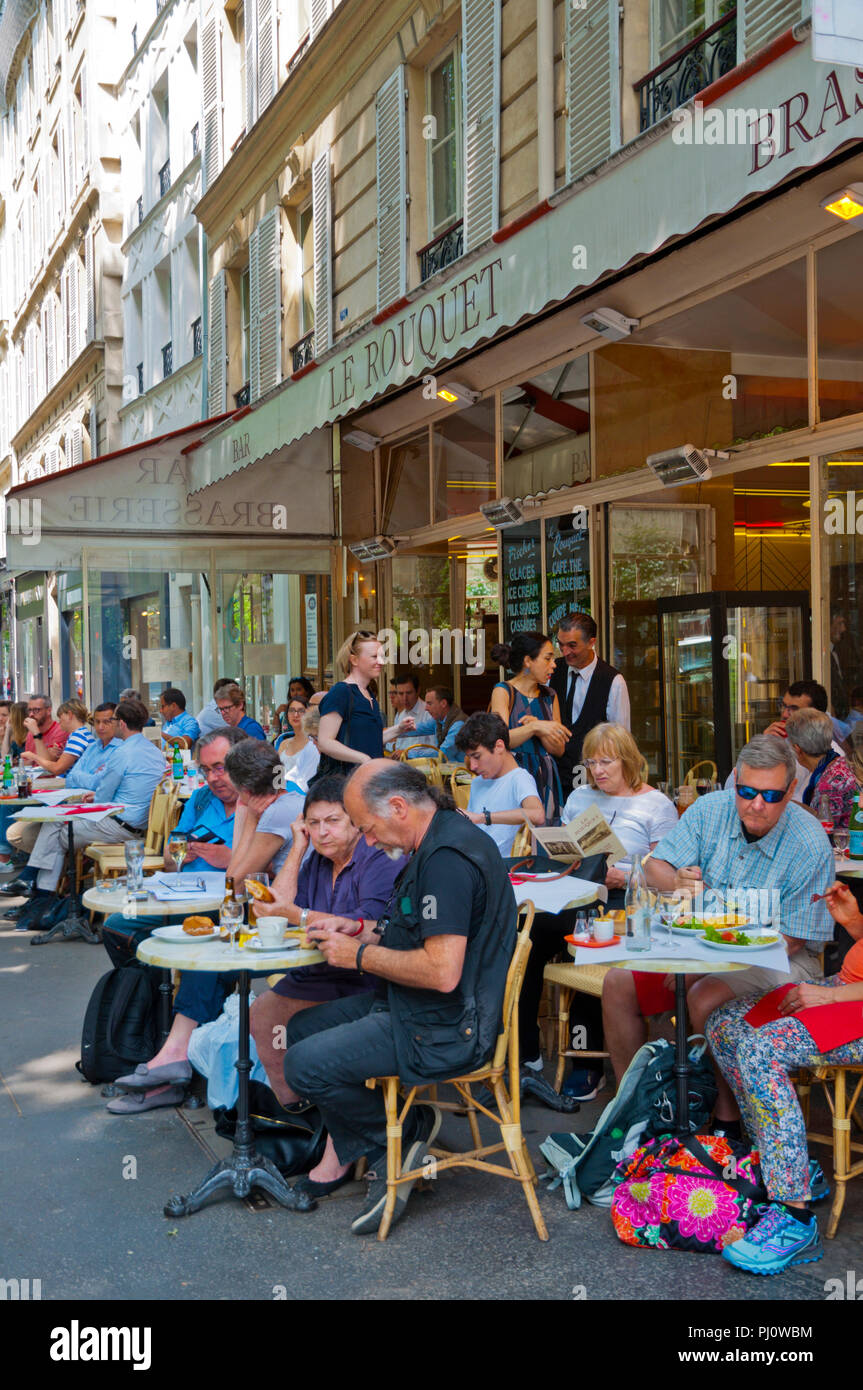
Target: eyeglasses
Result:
[602, 763]
[786, 708]
[770, 794]
[208, 771]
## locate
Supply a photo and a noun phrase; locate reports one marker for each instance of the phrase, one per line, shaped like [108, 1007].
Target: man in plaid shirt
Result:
[732, 844]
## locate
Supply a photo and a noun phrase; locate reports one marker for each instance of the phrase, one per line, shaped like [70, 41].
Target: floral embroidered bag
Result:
[698, 1194]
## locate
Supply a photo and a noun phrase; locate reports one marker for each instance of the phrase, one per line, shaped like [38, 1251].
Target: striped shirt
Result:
[786, 866]
[79, 741]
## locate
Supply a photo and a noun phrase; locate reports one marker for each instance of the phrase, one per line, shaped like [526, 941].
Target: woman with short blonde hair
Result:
[613, 741]
[352, 726]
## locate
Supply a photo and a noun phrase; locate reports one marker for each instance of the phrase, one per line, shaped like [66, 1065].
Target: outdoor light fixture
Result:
[375, 548]
[685, 464]
[610, 323]
[361, 440]
[503, 512]
[453, 392]
[847, 203]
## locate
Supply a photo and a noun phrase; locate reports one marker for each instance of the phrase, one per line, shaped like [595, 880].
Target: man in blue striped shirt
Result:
[745, 846]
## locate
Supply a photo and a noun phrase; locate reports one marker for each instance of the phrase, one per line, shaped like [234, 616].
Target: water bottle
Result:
[177, 764]
[7, 773]
[637, 906]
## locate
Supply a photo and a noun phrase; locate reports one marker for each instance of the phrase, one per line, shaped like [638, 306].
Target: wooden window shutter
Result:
[85, 124]
[217, 354]
[90, 283]
[268, 52]
[481, 106]
[762, 21]
[391, 134]
[320, 13]
[592, 86]
[265, 305]
[322, 213]
[75, 446]
[211, 86]
[250, 13]
[73, 300]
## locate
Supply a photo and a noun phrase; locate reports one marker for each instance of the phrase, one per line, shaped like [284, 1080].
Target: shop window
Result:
[405, 485]
[463, 453]
[421, 599]
[840, 310]
[546, 431]
[728, 371]
[842, 485]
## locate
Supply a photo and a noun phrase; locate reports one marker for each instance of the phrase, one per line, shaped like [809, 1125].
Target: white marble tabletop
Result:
[220, 956]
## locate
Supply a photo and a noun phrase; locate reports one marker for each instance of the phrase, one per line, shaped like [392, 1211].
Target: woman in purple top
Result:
[342, 876]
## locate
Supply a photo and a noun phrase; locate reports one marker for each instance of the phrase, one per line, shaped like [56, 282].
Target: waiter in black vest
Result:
[589, 691]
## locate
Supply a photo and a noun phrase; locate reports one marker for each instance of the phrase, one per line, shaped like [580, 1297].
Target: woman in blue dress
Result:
[531, 710]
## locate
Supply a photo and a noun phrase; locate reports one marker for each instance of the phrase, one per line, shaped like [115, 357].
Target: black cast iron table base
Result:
[245, 1169]
[681, 1062]
[75, 927]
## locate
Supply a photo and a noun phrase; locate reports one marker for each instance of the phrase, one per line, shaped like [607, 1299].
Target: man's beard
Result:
[392, 852]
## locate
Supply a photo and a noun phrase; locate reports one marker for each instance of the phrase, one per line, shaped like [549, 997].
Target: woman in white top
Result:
[299, 755]
[638, 815]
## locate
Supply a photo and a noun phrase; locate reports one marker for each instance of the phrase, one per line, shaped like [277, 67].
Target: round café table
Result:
[75, 925]
[246, 1168]
[106, 902]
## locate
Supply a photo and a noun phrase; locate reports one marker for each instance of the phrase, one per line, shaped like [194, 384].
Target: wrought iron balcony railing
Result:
[196, 139]
[140, 370]
[704, 59]
[140, 210]
[447, 247]
[167, 359]
[241, 397]
[164, 178]
[303, 352]
[197, 338]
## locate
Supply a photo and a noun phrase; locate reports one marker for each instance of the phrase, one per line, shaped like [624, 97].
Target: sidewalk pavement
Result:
[72, 1215]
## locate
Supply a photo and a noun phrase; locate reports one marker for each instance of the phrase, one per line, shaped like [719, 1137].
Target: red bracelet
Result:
[359, 929]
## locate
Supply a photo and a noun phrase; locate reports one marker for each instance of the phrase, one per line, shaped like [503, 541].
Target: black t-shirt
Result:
[457, 904]
[362, 727]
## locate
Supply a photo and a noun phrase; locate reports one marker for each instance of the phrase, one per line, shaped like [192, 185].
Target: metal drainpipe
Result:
[205, 321]
[545, 97]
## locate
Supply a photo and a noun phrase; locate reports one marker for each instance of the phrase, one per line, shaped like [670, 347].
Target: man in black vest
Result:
[588, 689]
[440, 952]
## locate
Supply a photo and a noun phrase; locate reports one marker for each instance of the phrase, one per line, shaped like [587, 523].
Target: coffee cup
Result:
[603, 928]
[271, 930]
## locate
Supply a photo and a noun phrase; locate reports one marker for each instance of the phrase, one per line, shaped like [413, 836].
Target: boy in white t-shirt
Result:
[502, 794]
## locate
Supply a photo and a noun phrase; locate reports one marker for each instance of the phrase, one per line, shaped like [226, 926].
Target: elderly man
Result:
[752, 842]
[589, 691]
[342, 876]
[440, 954]
[85, 773]
[231, 705]
[178, 726]
[131, 777]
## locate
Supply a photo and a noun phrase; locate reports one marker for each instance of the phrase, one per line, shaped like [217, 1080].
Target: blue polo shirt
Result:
[184, 726]
[132, 775]
[87, 771]
[204, 814]
[251, 727]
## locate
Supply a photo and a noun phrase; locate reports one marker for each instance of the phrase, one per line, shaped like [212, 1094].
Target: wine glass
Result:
[230, 918]
[665, 914]
[264, 880]
[841, 840]
[178, 848]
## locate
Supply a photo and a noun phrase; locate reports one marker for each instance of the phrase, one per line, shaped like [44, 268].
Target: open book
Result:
[590, 833]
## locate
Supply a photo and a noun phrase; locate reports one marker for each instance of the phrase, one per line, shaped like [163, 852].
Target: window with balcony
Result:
[246, 331]
[443, 92]
[164, 178]
[197, 338]
[303, 351]
[693, 42]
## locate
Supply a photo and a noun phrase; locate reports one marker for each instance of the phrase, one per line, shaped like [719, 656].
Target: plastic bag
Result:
[213, 1049]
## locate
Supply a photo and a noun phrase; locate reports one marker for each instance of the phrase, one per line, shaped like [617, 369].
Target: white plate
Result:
[253, 944]
[176, 934]
[688, 931]
[729, 946]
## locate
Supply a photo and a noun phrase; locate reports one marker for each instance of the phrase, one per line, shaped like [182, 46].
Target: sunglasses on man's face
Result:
[770, 794]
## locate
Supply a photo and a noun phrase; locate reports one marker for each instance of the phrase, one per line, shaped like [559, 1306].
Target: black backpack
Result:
[120, 1025]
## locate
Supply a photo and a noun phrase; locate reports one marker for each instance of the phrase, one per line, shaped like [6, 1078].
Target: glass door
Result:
[687, 647]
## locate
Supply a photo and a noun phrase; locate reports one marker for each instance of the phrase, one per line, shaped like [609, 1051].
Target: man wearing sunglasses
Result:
[748, 842]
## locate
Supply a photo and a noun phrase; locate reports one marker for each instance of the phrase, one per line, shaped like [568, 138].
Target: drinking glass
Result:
[841, 840]
[704, 785]
[133, 852]
[257, 878]
[665, 914]
[824, 812]
[178, 848]
[230, 918]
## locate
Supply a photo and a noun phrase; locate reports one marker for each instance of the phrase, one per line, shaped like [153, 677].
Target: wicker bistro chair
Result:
[428, 764]
[694, 772]
[165, 811]
[459, 784]
[501, 1076]
[522, 843]
[836, 1081]
[569, 979]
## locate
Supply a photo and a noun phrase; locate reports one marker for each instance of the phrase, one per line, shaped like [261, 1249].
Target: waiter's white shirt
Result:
[617, 709]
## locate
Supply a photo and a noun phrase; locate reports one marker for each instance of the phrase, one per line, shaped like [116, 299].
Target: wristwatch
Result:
[304, 917]
[487, 815]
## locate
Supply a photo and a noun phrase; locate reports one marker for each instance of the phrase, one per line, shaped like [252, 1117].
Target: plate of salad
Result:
[732, 939]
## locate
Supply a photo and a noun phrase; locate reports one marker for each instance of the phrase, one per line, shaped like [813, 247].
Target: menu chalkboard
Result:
[567, 572]
[521, 579]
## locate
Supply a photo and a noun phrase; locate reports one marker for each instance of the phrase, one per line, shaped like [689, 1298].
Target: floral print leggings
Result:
[755, 1062]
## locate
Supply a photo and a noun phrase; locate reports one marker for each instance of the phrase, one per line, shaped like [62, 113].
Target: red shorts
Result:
[654, 996]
